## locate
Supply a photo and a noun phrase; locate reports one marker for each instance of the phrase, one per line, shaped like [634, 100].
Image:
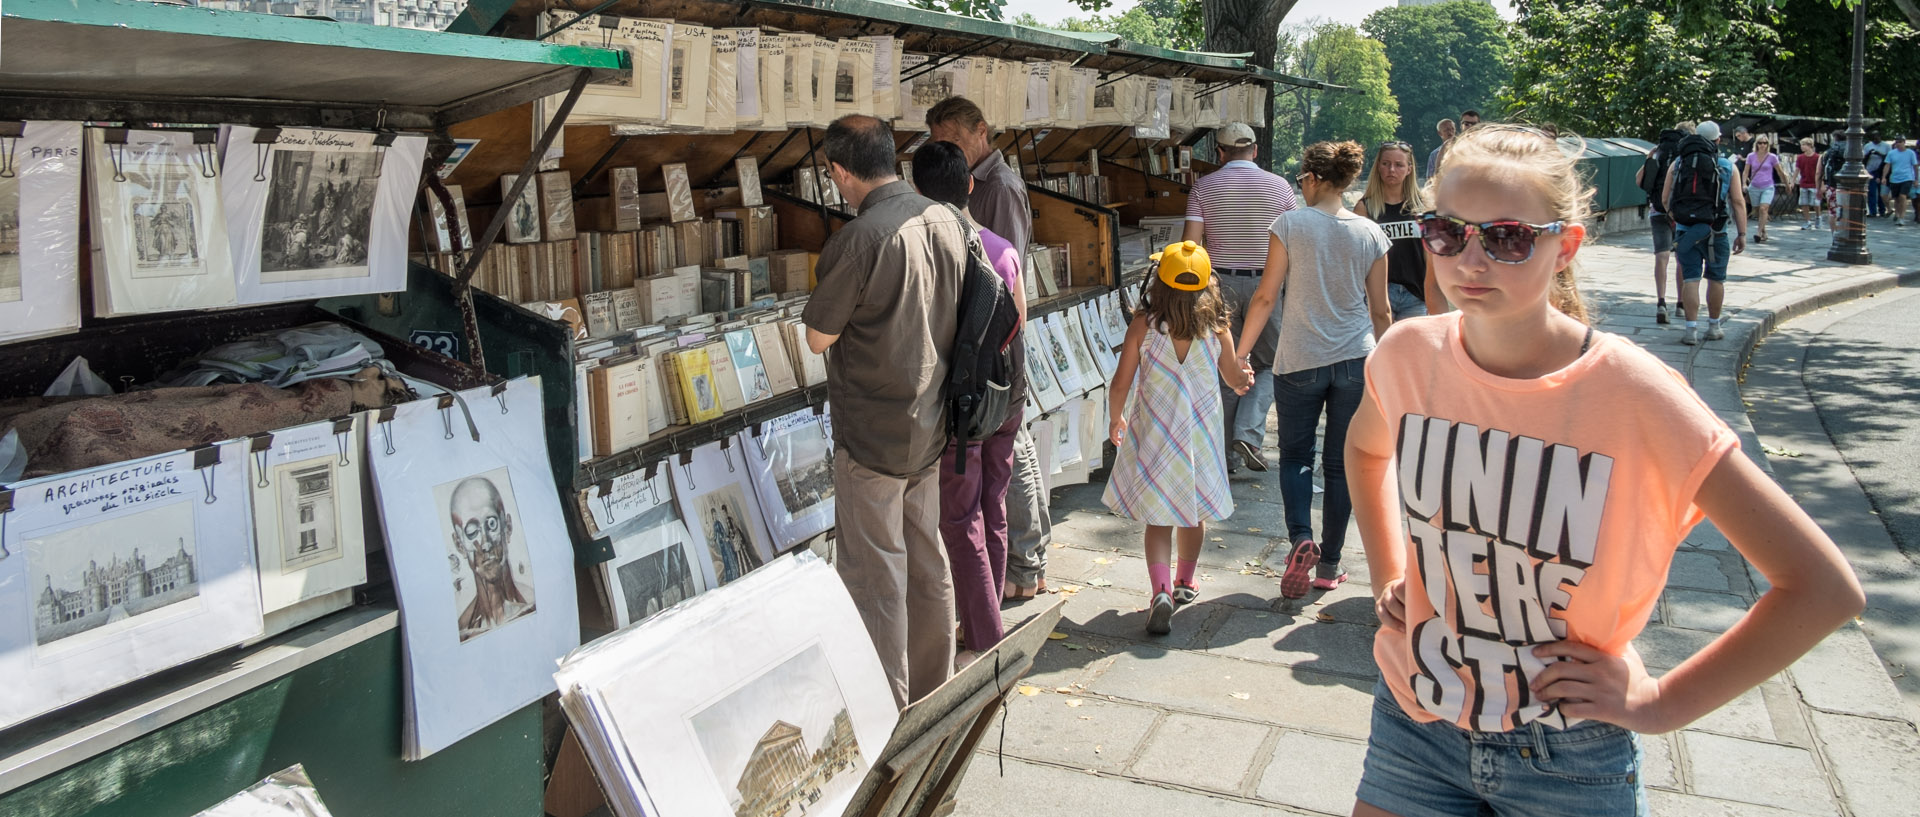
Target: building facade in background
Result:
[432, 15]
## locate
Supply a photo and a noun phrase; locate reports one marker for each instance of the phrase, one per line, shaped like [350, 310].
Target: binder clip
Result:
[342, 427]
[263, 140]
[500, 394]
[204, 146]
[6, 509]
[385, 421]
[258, 445]
[10, 133]
[116, 141]
[205, 457]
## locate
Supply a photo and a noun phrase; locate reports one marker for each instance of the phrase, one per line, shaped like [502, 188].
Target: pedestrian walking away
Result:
[1228, 213]
[1649, 177]
[1445, 129]
[999, 203]
[974, 476]
[1493, 436]
[1762, 173]
[1168, 470]
[1806, 170]
[884, 314]
[1700, 196]
[1393, 199]
[1830, 164]
[1333, 264]
[1875, 156]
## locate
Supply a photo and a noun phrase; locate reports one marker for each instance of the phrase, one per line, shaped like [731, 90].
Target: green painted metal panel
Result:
[1625, 191]
[340, 717]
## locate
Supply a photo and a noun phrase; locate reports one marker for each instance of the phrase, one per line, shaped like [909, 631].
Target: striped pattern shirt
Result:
[1238, 204]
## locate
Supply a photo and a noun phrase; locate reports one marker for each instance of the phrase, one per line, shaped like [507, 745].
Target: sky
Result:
[1344, 11]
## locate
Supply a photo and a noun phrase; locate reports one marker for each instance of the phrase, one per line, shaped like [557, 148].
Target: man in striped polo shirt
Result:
[1229, 212]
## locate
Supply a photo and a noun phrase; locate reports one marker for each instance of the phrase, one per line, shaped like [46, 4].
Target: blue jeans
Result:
[1405, 303]
[1874, 207]
[1702, 250]
[1437, 769]
[1301, 397]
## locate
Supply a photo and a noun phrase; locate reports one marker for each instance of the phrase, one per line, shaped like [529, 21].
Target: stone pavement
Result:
[1255, 705]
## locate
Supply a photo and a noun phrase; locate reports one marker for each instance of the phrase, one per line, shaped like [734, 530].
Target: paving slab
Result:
[1036, 789]
[1749, 771]
[1212, 685]
[1698, 610]
[1297, 641]
[1202, 753]
[1074, 730]
[1314, 772]
[1701, 571]
[1877, 761]
[1746, 716]
[1122, 614]
[1664, 647]
[1843, 674]
[1674, 804]
[1657, 767]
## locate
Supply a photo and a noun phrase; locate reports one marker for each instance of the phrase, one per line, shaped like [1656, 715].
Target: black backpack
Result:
[1696, 185]
[982, 371]
[1653, 172]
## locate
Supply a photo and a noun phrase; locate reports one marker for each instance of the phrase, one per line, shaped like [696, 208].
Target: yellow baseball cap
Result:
[1184, 266]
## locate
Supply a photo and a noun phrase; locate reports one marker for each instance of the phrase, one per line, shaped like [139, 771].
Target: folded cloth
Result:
[61, 434]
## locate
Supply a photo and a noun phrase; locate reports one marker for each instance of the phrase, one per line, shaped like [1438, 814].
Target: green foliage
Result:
[984, 9]
[1334, 53]
[1165, 23]
[1446, 58]
[1812, 65]
[1618, 67]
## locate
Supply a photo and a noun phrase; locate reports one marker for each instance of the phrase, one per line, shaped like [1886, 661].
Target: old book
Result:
[624, 183]
[810, 368]
[628, 313]
[600, 320]
[686, 291]
[654, 386]
[774, 359]
[657, 296]
[697, 383]
[556, 205]
[761, 282]
[748, 366]
[787, 271]
[692, 51]
[748, 170]
[689, 238]
[726, 381]
[716, 291]
[618, 391]
[523, 219]
[679, 192]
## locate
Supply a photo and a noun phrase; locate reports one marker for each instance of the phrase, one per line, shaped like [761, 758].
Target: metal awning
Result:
[121, 60]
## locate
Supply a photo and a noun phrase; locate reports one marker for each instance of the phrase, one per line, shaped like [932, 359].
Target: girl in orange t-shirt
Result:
[1520, 482]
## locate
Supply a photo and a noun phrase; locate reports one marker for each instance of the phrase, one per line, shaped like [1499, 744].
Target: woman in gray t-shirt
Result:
[1333, 263]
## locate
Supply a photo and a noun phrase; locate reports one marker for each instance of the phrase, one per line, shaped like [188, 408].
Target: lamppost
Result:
[1850, 241]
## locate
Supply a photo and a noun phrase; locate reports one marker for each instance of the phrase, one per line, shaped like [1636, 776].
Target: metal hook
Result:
[206, 478]
[446, 420]
[342, 428]
[260, 462]
[500, 394]
[260, 162]
[6, 510]
[117, 154]
[386, 428]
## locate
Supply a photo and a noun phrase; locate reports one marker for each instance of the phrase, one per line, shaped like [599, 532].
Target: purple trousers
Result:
[973, 525]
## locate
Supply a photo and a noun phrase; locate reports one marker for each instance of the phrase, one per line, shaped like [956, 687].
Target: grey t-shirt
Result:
[1324, 317]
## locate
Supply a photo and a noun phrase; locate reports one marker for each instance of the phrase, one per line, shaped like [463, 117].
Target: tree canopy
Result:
[1446, 58]
[1335, 53]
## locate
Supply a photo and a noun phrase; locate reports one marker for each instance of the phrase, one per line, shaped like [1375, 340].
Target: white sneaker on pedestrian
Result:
[1692, 338]
[1713, 332]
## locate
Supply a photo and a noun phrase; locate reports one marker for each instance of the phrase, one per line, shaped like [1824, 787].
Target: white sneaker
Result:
[1692, 337]
[1713, 332]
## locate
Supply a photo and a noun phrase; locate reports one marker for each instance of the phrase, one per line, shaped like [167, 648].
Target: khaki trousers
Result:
[890, 557]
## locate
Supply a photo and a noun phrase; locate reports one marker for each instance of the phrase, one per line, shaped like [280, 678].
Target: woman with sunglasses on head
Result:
[1520, 483]
[1392, 200]
[1333, 263]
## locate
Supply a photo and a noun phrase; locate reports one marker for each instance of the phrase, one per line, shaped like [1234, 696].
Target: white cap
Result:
[1709, 131]
[1234, 135]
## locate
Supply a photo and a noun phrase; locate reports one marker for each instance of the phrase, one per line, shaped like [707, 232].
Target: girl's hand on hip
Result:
[1391, 605]
[1589, 683]
[1117, 429]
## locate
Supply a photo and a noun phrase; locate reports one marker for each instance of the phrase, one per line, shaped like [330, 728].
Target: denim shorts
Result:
[1440, 770]
[1703, 251]
[1662, 232]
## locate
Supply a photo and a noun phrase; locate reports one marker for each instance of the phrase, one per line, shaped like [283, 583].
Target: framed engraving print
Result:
[40, 232]
[481, 560]
[318, 213]
[119, 572]
[716, 497]
[309, 520]
[159, 233]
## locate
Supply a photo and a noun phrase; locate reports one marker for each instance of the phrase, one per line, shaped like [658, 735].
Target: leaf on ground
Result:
[1254, 562]
[1219, 539]
[1103, 561]
[1253, 530]
[1068, 590]
[1098, 749]
[1086, 717]
[1074, 702]
[1779, 451]
[1323, 616]
[1100, 583]
[1056, 636]
[1239, 696]
[1064, 690]
[1029, 690]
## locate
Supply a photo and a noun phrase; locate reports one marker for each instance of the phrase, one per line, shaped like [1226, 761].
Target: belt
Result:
[1250, 273]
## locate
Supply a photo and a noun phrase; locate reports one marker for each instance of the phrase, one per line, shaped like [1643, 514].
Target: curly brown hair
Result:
[1188, 315]
[1336, 163]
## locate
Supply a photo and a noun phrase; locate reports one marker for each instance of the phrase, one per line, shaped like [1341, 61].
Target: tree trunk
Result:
[1239, 26]
[1909, 8]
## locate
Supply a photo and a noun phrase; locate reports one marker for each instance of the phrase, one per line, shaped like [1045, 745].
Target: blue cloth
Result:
[1437, 769]
[1702, 250]
[1300, 397]
[1900, 164]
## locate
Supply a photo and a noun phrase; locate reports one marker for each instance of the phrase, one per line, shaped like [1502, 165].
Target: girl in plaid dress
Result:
[1170, 472]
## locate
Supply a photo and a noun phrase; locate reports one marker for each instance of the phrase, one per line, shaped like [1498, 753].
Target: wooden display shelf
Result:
[1073, 296]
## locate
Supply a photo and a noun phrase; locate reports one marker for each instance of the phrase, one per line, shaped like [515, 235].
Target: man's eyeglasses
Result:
[1508, 242]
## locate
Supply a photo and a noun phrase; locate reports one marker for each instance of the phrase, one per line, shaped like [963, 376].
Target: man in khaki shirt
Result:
[884, 314]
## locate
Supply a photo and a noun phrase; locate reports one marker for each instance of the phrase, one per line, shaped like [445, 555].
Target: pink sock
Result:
[1186, 571]
[1157, 571]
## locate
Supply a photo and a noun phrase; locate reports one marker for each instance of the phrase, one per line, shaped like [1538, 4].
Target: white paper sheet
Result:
[716, 498]
[159, 232]
[286, 793]
[654, 564]
[1042, 384]
[118, 572]
[1066, 370]
[451, 504]
[674, 713]
[318, 213]
[308, 515]
[40, 207]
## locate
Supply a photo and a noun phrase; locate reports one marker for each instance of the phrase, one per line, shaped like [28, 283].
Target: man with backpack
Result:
[1698, 194]
[885, 314]
[988, 352]
[1830, 164]
[1652, 174]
